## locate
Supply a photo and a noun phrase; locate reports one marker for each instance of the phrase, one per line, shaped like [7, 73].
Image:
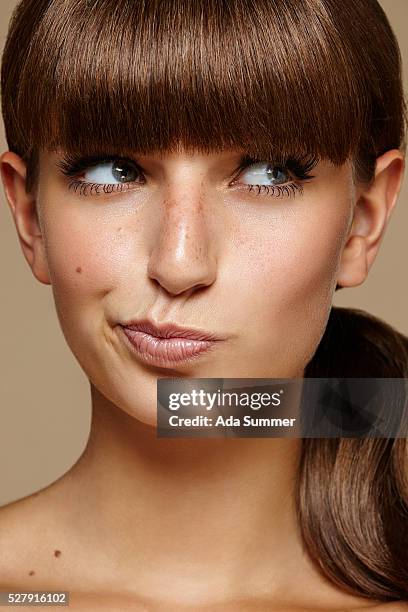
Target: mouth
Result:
[166, 345]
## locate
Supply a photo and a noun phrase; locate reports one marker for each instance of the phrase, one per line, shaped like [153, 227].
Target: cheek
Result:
[290, 275]
[302, 260]
[295, 254]
[85, 258]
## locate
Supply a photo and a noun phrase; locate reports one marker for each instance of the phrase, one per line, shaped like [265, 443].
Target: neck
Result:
[204, 516]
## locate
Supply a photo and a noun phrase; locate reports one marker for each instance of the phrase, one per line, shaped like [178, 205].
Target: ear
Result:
[25, 215]
[372, 212]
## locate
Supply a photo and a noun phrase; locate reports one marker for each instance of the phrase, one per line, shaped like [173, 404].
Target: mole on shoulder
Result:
[57, 553]
[31, 573]
[79, 269]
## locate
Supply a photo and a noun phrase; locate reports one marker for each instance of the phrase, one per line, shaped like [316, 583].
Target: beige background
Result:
[44, 395]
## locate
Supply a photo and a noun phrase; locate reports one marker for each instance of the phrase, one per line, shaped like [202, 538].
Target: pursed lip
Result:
[170, 330]
[166, 344]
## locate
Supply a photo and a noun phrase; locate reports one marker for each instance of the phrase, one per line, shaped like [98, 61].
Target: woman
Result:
[212, 170]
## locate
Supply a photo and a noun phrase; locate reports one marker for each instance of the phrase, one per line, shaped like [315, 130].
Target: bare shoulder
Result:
[32, 541]
[40, 550]
[18, 529]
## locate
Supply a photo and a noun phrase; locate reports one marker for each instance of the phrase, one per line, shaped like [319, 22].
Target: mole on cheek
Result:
[79, 270]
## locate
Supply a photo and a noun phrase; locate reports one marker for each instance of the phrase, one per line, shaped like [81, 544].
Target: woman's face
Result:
[184, 239]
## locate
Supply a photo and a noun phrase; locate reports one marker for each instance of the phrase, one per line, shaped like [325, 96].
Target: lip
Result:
[168, 344]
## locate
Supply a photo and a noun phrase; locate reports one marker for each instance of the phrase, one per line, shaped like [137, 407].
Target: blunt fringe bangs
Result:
[275, 78]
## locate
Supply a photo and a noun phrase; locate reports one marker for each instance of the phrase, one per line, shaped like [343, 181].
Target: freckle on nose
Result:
[79, 269]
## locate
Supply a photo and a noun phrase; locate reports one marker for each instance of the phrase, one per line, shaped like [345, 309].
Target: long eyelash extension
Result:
[73, 164]
[85, 188]
[300, 166]
[279, 190]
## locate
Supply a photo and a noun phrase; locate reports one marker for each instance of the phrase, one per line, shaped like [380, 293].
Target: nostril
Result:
[178, 287]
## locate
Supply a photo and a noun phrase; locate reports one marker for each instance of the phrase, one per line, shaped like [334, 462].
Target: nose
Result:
[183, 257]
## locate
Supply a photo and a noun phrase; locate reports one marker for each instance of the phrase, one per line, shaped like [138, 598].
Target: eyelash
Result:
[86, 188]
[299, 167]
[73, 165]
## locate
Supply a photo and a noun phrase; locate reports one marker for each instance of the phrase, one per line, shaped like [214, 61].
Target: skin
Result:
[160, 514]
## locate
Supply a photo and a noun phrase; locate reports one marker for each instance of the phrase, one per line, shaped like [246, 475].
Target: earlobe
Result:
[25, 216]
[354, 265]
[372, 212]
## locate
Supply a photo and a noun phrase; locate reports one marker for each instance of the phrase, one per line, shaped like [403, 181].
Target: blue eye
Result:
[101, 174]
[263, 177]
[264, 173]
[112, 173]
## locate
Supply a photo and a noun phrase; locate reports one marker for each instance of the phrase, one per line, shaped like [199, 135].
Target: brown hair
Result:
[352, 494]
[277, 78]
[274, 77]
